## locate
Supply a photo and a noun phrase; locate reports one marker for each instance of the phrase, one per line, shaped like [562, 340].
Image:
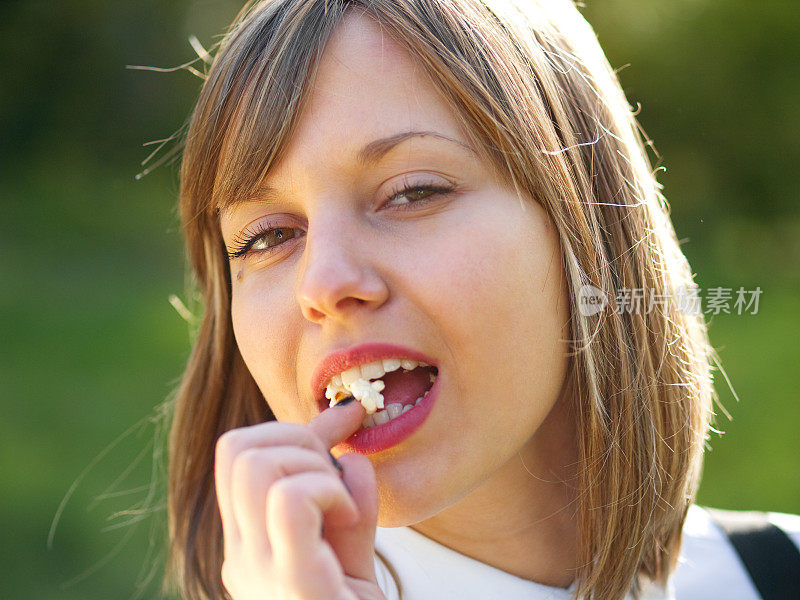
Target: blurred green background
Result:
[91, 346]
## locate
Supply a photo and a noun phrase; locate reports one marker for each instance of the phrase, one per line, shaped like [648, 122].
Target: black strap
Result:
[767, 552]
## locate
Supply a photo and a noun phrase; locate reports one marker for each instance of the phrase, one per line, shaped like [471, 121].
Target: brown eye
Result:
[416, 194]
[273, 237]
[263, 240]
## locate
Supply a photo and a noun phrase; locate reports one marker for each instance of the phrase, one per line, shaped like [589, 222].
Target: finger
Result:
[223, 459]
[336, 424]
[324, 431]
[234, 442]
[296, 507]
[355, 543]
[254, 471]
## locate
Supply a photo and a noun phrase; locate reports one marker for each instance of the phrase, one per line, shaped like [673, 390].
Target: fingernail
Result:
[336, 462]
[345, 402]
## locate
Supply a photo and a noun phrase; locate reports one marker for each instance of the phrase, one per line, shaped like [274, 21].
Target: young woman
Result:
[403, 202]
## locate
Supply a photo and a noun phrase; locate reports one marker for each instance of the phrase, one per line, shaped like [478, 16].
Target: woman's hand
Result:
[294, 527]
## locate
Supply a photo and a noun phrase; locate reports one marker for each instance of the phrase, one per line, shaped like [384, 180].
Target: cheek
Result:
[262, 329]
[499, 299]
[247, 310]
[503, 266]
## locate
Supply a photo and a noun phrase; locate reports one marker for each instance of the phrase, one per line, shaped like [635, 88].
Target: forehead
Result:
[367, 87]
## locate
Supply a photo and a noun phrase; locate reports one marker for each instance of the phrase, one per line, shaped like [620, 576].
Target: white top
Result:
[708, 567]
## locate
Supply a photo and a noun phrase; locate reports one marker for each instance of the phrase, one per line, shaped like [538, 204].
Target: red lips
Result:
[341, 360]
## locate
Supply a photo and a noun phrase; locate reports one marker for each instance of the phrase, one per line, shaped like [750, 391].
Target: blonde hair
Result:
[531, 86]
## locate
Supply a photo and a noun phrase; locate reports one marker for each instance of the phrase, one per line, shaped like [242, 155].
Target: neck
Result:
[522, 520]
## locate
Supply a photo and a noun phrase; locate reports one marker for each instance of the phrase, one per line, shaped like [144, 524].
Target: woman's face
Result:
[472, 277]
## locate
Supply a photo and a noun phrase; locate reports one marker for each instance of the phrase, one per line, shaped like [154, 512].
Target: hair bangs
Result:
[264, 76]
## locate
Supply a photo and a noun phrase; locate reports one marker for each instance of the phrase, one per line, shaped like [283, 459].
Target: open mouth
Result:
[402, 392]
[387, 389]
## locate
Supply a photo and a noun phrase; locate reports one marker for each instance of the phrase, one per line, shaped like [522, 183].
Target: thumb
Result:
[354, 544]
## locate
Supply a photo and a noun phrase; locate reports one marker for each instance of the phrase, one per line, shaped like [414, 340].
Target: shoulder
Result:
[709, 567]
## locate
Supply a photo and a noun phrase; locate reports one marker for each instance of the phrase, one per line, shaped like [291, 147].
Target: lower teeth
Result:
[392, 411]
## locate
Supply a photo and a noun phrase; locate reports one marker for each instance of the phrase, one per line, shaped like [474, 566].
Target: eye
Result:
[419, 193]
[263, 238]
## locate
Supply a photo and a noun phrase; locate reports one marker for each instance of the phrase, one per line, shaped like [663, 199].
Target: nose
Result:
[338, 273]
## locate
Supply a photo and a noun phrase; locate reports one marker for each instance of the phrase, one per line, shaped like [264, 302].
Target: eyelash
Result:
[244, 242]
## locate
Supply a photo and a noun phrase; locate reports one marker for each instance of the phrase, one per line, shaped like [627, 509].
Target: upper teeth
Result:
[356, 382]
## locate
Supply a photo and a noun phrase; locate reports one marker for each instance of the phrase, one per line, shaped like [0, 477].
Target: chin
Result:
[408, 507]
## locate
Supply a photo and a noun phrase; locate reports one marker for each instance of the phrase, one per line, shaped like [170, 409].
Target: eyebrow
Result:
[368, 155]
[375, 150]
